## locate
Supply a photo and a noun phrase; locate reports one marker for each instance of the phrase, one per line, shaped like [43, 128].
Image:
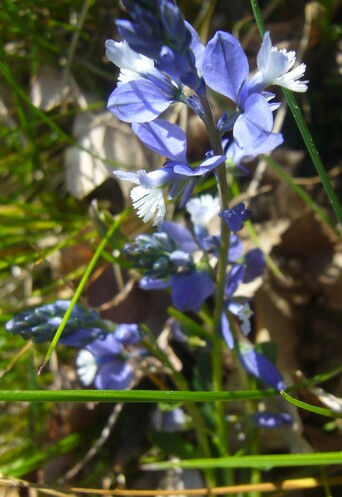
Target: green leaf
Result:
[308, 407]
[264, 462]
[129, 396]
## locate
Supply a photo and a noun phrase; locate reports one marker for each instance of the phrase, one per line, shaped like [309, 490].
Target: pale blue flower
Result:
[177, 175]
[276, 67]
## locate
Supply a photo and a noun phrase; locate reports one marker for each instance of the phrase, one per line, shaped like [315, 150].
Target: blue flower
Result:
[236, 217]
[159, 32]
[276, 68]
[259, 366]
[127, 334]
[167, 259]
[271, 419]
[190, 289]
[236, 155]
[254, 265]
[103, 363]
[41, 323]
[176, 174]
[244, 272]
[225, 69]
[143, 92]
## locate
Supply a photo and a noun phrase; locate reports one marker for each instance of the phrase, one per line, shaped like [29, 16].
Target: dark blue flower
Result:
[236, 217]
[41, 323]
[103, 363]
[166, 257]
[254, 265]
[259, 366]
[190, 289]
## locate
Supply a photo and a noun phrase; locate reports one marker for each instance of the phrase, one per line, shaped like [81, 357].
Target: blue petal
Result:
[180, 258]
[180, 235]
[138, 100]
[236, 217]
[115, 375]
[129, 32]
[226, 331]
[163, 137]
[254, 126]
[127, 333]
[187, 192]
[255, 264]
[149, 283]
[271, 419]
[259, 366]
[225, 65]
[172, 22]
[235, 248]
[196, 45]
[235, 154]
[81, 337]
[205, 167]
[272, 141]
[234, 278]
[106, 346]
[190, 290]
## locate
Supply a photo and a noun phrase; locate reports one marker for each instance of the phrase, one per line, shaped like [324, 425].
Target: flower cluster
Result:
[172, 258]
[150, 81]
[41, 323]
[104, 356]
[105, 362]
[162, 61]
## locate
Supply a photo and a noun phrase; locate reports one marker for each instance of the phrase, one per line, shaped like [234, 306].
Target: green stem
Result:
[216, 354]
[306, 135]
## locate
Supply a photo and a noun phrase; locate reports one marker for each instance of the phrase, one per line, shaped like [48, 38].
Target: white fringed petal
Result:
[149, 203]
[132, 64]
[275, 68]
[86, 367]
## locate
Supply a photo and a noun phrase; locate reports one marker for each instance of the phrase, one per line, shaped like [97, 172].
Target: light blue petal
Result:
[196, 46]
[235, 248]
[206, 166]
[180, 258]
[254, 126]
[163, 137]
[225, 65]
[180, 235]
[137, 101]
[148, 283]
[226, 331]
[115, 375]
[234, 278]
[127, 333]
[259, 366]
[106, 346]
